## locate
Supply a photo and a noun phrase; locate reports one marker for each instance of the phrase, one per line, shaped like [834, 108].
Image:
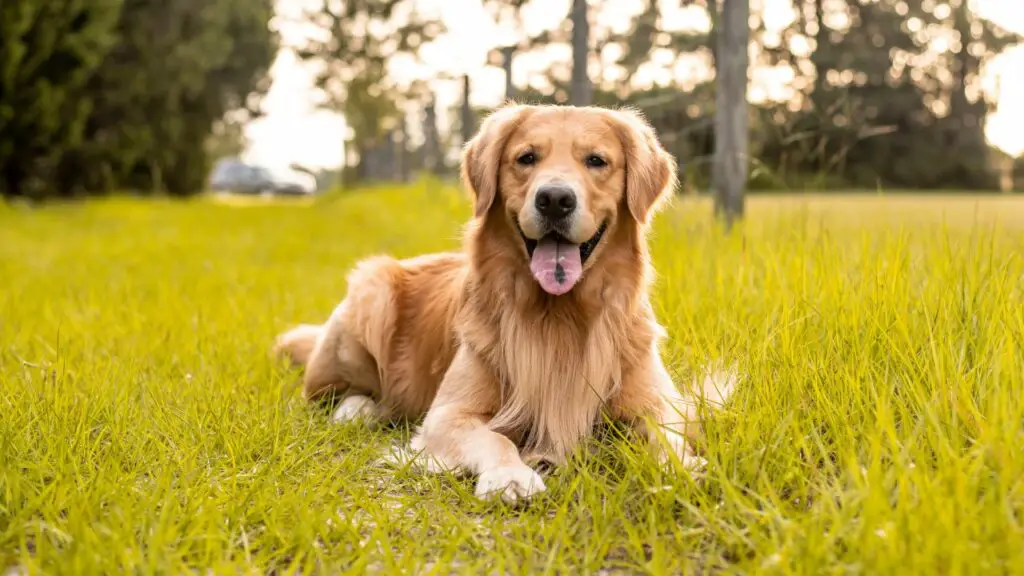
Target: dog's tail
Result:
[297, 344]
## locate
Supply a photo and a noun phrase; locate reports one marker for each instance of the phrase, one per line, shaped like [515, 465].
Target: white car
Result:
[236, 176]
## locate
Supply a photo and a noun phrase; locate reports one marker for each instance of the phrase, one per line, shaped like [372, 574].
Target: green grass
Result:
[880, 429]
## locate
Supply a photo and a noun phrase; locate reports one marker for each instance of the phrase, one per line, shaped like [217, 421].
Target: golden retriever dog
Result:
[514, 348]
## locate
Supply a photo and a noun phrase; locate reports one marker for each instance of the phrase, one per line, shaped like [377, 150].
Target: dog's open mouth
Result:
[557, 263]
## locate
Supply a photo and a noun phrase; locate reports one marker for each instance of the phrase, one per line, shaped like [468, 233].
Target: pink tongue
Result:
[556, 265]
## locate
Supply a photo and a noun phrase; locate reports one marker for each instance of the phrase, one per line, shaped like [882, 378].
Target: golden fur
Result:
[469, 340]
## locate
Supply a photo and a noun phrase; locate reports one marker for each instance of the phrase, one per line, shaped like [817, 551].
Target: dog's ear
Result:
[651, 172]
[481, 156]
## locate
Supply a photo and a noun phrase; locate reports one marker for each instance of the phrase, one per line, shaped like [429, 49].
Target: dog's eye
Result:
[595, 161]
[527, 159]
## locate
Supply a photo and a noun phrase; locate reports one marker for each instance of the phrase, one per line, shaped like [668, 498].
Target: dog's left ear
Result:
[651, 172]
[481, 158]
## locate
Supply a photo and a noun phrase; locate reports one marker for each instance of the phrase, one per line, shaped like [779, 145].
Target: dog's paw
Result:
[402, 457]
[694, 464]
[674, 448]
[511, 483]
[355, 407]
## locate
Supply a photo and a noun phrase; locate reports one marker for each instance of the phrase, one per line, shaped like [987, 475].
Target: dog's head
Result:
[563, 179]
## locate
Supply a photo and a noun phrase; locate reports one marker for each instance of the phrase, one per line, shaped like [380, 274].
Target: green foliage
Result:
[361, 38]
[875, 102]
[227, 140]
[885, 107]
[177, 70]
[49, 52]
[877, 430]
[146, 104]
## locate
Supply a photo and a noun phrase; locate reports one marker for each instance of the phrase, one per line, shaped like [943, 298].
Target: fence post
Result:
[404, 156]
[387, 157]
[431, 144]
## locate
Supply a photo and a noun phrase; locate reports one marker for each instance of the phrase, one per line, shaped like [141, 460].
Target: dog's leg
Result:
[676, 422]
[649, 398]
[339, 364]
[456, 436]
[324, 373]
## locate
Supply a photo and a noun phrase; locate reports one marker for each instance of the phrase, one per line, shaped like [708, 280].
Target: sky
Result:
[295, 131]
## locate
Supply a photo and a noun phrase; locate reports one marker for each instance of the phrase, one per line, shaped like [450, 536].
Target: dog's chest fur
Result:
[557, 360]
[556, 372]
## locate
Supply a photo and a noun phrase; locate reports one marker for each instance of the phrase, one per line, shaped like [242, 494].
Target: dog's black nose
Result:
[555, 202]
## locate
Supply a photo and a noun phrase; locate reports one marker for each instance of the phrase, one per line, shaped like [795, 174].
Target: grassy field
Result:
[880, 429]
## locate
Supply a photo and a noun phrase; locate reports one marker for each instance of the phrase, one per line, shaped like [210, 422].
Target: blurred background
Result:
[302, 96]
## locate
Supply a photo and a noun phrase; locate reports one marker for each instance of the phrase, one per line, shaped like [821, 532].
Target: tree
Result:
[731, 115]
[676, 110]
[177, 69]
[226, 140]
[359, 41]
[99, 95]
[964, 126]
[49, 51]
[889, 94]
[507, 12]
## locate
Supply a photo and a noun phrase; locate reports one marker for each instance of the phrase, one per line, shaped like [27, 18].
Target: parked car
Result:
[244, 178]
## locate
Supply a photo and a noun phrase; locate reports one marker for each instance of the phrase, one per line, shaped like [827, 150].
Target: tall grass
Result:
[879, 427]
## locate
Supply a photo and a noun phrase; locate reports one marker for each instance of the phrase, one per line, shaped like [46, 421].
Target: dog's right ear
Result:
[481, 157]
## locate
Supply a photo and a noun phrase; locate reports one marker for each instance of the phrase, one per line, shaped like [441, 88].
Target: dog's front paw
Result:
[512, 483]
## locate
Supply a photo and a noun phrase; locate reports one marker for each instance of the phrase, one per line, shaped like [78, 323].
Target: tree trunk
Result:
[506, 63]
[823, 109]
[818, 57]
[468, 122]
[731, 119]
[965, 124]
[14, 179]
[716, 25]
[963, 63]
[715, 18]
[582, 92]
